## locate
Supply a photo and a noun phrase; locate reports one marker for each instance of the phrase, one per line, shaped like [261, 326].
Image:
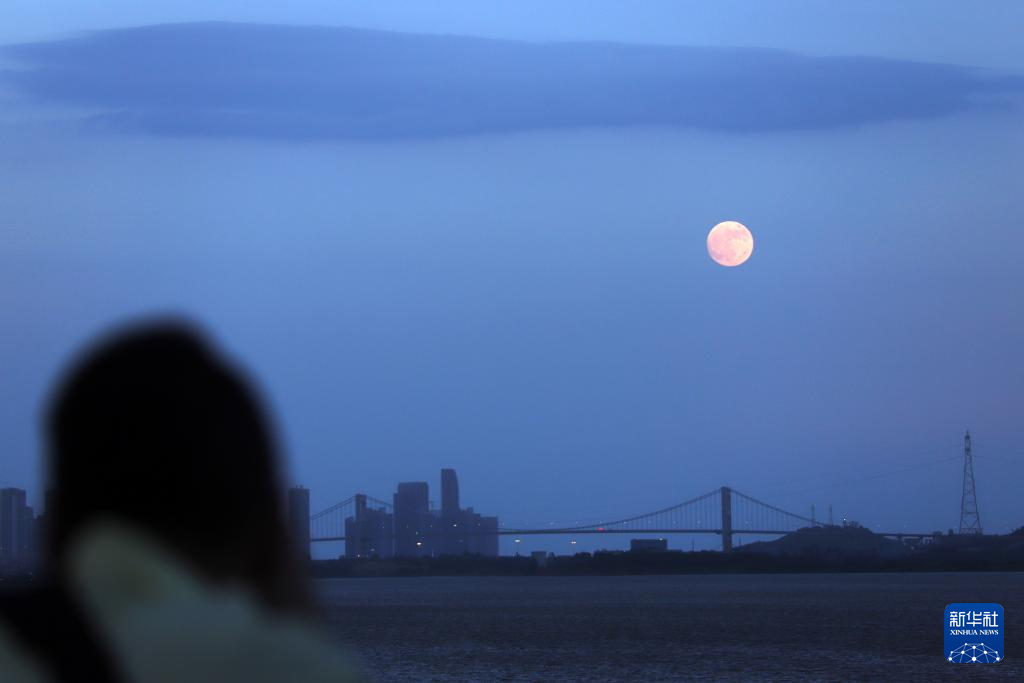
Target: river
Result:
[666, 628]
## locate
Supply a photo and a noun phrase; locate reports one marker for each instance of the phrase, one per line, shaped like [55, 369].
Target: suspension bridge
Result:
[723, 511]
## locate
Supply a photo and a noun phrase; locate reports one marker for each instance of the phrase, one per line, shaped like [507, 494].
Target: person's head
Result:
[153, 427]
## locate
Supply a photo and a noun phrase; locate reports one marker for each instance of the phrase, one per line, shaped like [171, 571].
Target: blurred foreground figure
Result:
[168, 556]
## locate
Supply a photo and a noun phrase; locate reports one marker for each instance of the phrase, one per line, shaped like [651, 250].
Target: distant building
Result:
[452, 539]
[17, 525]
[413, 520]
[648, 545]
[29, 535]
[482, 534]
[449, 493]
[463, 531]
[298, 519]
[42, 521]
[415, 530]
[370, 532]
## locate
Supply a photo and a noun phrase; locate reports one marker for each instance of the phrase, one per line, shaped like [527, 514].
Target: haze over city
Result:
[518, 288]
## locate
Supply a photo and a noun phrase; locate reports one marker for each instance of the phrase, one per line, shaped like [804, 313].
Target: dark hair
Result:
[153, 427]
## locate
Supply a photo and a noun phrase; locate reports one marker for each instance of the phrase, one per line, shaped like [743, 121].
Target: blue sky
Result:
[496, 261]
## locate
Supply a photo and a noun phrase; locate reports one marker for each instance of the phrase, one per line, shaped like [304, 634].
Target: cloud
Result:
[264, 81]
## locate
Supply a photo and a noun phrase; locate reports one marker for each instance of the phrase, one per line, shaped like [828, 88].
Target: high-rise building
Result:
[413, 520]
[370, 532]
[463, 531]
[298, 519]
[42, 530]
[28, 533]
[449, 493]
[416, 530]
[17, 525]
[481, 534]
[452, 539]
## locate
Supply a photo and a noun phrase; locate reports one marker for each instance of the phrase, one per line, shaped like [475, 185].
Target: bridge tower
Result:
[970, 520]
[726, 519]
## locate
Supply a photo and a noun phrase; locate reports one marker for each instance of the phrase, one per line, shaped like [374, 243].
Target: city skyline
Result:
[411, 526]
[414, 497]
[417, 529]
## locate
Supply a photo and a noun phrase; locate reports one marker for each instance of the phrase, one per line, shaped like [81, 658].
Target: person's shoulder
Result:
[16, 664]
[165, 624]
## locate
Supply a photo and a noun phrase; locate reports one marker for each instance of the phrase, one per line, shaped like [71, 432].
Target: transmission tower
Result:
[970, 520]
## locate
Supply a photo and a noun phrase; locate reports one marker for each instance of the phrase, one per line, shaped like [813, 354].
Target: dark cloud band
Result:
[241, 80]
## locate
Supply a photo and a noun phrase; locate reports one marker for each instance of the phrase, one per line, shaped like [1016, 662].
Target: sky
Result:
[475, 239]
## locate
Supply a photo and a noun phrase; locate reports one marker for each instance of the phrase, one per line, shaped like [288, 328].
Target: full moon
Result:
[730, 243]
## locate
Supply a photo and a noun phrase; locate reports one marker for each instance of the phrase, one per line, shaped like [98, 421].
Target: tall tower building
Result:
[452, 538]
[412, 520]
[16, 522]
[369, 532]
[298, 519]
[449, 493]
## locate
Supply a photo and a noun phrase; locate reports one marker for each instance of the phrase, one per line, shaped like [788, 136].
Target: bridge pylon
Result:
[726, 519]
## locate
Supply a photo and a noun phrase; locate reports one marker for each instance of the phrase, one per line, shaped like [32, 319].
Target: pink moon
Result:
[730, 243]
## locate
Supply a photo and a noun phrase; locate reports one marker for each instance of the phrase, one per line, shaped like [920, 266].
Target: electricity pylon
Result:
[970, 520]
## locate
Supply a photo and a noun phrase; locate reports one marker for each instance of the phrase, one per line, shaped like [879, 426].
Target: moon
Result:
[730, 243]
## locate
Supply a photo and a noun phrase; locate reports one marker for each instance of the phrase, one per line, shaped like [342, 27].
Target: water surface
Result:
[666, 628]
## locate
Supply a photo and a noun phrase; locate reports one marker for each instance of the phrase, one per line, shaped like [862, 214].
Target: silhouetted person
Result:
[167, 547]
